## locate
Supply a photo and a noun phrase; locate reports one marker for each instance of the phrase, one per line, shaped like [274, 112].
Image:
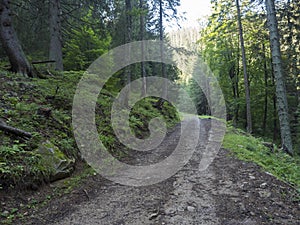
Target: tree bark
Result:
[55, 50]
[128, 32]
[10, 42]
[266, 89]
[163, 66]
[128, 39]
[246, 80]
[143, 69]
[282, 104]
[161, 38]
[275, 127]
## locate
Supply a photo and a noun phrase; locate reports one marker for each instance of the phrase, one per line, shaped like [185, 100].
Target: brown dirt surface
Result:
[229, 192]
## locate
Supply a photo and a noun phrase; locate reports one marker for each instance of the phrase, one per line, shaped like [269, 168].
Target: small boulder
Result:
[55, 161]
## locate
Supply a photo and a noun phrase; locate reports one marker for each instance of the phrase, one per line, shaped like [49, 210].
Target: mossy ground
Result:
[43, 107]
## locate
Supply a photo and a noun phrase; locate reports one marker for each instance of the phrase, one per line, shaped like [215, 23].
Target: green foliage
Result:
[21, 104]
[20, 166]
[220, 48]
[249, 148]
[145, 110]
[198, 97]
[84, 46]
[139, 118]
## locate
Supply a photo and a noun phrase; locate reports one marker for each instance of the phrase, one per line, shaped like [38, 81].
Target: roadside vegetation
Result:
[267, 155]
[43, 107]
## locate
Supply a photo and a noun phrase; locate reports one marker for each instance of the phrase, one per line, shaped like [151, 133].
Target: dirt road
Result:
[228, 192]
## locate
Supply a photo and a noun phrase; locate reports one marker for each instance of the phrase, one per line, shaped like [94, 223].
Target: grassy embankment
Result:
[43, 107]
[276, 162]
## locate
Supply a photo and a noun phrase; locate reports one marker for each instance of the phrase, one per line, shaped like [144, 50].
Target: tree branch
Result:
[21, 133]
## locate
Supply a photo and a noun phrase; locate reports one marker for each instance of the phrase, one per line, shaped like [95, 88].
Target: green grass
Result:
[249, 148]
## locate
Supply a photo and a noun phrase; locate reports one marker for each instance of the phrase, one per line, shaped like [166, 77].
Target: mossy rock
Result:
[55, 161]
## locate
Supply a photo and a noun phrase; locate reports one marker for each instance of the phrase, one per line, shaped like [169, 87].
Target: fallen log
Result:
[42, 62]
[9, 129]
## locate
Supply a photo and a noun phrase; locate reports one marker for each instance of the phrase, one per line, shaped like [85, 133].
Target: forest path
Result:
[185, 198]
[230, 191]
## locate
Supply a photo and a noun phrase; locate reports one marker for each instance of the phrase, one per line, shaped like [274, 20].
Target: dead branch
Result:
[41, 62]
[9, 129]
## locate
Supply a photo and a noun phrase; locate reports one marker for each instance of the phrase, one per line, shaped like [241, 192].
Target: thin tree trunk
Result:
[163, 66]
[282, 103]
[237, 109]
[266, 89]
[275, 127]
[237, 94]
[235, 84]
[55, 50]
[161, 38]
[246, 80]
[236, 97]
[128, 38]
[143, 69]
[10, 42]
[233, 77]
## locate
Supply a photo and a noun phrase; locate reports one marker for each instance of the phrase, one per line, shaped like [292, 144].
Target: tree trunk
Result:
[236, 98]
[236, 93]
[282, 104]
[246, 80]
[275, 127]
[10, 42]
[55, 50]
[143, 69]
[161, 37]
[163, 66]
[266, 89]
[128, 39]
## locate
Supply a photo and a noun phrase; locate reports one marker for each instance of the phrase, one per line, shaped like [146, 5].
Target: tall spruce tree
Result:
[279, 78]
